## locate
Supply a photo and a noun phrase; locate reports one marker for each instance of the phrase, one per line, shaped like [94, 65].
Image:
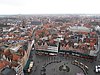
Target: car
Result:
[75, 62]
[86, 67]
[52, 54]
[30, 66]
[97, 68]
[81, 65]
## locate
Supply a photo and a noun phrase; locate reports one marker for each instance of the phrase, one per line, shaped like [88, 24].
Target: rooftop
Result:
[3, 63]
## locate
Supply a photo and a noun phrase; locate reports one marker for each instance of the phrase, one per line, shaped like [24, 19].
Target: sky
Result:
[49, 7]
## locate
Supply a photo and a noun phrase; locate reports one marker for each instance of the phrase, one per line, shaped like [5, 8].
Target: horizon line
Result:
[53, 14]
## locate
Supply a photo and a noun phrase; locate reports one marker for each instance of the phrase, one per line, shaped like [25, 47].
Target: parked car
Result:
[52, 54]
[97, 68]
[30, 66]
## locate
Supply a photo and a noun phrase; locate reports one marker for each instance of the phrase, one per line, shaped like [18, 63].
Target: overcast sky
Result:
[49, 7]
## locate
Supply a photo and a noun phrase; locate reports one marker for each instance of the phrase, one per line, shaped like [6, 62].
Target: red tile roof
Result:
[16, 57]
[7, 52]
[93, 33]
[83, 33]
[3, 64]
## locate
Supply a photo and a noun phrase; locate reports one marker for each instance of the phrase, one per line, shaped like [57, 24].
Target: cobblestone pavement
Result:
[53, 69]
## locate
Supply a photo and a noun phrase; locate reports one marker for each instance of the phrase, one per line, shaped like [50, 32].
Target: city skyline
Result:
[49, 7]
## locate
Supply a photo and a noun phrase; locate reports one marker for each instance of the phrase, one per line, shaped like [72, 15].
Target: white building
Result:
[79, 29]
